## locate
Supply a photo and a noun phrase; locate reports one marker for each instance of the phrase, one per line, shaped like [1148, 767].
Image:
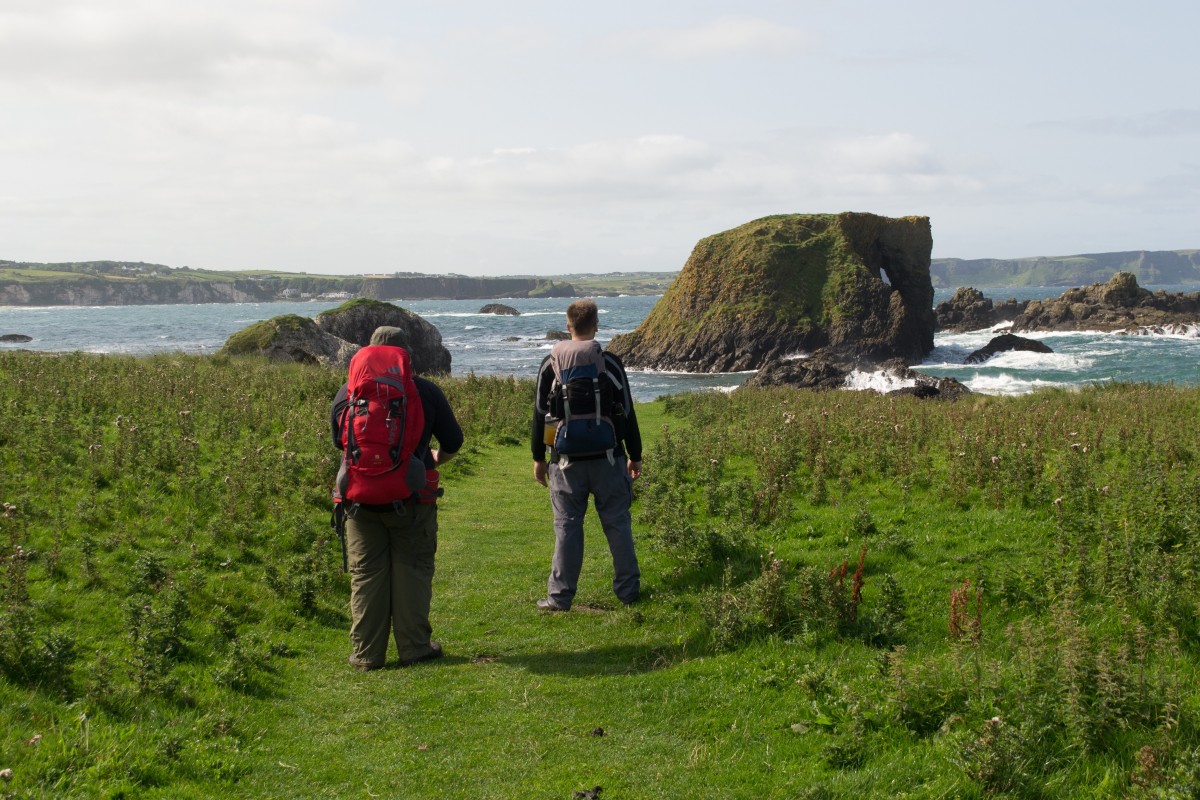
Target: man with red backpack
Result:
[583, 411]
[383, 419]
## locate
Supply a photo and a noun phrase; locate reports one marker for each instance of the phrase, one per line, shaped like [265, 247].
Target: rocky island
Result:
[852, 286]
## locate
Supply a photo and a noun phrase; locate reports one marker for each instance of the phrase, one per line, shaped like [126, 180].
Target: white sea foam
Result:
[879, 381]
[1173, 331]
[1028, 360]
[1006, 384]
[684, 374]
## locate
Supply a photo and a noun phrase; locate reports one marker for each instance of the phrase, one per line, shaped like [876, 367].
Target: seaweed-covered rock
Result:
[290, 337]
[776, 287]
[15, 338]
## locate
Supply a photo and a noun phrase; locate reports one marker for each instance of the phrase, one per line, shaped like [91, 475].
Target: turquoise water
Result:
[494, 345]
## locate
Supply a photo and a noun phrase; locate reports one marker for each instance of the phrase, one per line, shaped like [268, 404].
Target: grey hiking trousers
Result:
[571, 483]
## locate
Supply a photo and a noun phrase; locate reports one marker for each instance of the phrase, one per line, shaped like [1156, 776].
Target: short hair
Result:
[583, 316]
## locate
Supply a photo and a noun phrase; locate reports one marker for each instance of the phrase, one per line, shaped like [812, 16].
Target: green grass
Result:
[174, 621]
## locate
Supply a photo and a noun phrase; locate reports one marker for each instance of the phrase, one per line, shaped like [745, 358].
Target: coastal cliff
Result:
[461, 287]
[97, 291]
[121, 283]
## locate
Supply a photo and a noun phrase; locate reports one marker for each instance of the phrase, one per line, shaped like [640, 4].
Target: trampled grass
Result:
[846, 595]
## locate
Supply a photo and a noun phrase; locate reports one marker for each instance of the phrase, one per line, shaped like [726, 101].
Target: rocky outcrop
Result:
[333, 337]
[930, 388]
[356, 320]
[1118, 305]
[290, 338]
[969, 310]
[1003, 343]
[823, 372]
[855, 284]
[500, 310]
[15, 338]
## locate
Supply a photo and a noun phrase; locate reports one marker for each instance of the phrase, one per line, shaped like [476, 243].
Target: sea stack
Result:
[856, 285]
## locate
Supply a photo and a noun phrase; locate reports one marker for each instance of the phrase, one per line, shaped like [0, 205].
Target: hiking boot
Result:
[435, 651]
[546, 604]
[363, 666]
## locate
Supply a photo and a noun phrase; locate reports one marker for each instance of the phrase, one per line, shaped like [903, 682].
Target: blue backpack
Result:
[583, 400]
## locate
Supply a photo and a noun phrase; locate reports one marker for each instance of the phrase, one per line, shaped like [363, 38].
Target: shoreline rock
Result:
[1004, 343]
[1118, 305]
[336, 335]
[969, 310]
[500, 309]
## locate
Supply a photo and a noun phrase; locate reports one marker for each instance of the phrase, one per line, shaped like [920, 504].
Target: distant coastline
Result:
[1150, 267]
[102, 283]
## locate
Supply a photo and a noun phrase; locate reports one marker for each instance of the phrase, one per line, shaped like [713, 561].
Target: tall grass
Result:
[996, 596]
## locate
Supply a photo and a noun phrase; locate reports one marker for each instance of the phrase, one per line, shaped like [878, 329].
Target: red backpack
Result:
[381, 429]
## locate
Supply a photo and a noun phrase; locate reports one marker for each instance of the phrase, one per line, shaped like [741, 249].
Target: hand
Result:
[634, 468]
[539, 472]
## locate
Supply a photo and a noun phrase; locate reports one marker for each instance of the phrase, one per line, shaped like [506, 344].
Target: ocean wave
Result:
[1010, 385]
[1026, 360]
[682, 373]
[1172, 331]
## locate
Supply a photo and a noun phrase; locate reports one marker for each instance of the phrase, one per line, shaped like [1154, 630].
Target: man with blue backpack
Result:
[583, 411]
[383, 419]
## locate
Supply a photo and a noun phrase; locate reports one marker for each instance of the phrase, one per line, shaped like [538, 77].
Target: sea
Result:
[487, 344]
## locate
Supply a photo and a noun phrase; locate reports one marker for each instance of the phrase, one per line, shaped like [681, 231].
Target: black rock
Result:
[1003, 343]
[500, 309]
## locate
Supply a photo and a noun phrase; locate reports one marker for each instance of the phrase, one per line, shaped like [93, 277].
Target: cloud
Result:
[726, 36]
[637, 167]
[263, 48]
[1167, 122]
[890, 164]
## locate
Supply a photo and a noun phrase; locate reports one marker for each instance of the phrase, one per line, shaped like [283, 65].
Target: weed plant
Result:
[846, 594]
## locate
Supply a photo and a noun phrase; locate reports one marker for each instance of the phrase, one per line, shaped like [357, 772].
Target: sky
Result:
[558, 137]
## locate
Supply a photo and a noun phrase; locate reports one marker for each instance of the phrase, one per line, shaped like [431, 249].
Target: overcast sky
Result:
[486, 138]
